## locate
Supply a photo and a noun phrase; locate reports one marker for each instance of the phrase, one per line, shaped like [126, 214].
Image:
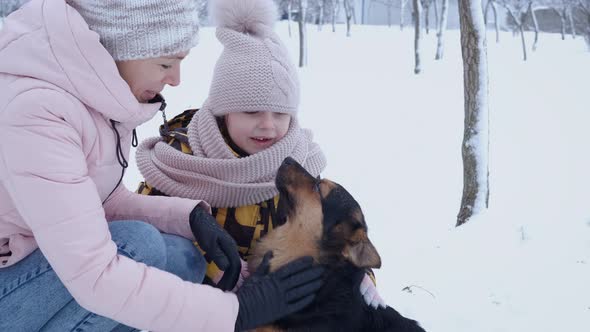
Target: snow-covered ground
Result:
[393, 139]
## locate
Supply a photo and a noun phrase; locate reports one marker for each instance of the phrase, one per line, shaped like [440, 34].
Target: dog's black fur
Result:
[339, 306]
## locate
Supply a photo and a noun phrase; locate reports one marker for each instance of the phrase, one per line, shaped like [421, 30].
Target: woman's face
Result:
[147, 77]
[256, 131]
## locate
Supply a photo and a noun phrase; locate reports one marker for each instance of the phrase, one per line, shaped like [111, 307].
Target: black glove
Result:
[266, 297]
[218, 245]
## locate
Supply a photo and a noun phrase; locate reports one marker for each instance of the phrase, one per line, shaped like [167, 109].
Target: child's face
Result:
[256, 131]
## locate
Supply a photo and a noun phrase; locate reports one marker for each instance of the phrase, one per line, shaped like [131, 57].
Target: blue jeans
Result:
[32, 298]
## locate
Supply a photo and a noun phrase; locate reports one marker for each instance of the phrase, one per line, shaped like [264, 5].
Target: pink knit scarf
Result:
[214, 174]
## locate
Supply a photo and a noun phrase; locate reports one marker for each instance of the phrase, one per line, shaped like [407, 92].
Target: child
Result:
[227, 153]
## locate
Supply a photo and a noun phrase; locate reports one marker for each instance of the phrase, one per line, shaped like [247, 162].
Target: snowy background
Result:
[393, 139]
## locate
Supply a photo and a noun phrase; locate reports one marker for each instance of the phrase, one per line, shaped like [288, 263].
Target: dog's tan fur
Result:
[298, 237]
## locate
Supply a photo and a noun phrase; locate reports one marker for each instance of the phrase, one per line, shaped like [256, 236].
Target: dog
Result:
[319, 218]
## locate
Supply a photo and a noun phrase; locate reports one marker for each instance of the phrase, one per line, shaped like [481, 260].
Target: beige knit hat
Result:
[142, 29]
[254, 71]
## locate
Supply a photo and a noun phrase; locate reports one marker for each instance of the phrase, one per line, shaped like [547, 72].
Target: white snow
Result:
[393, 139]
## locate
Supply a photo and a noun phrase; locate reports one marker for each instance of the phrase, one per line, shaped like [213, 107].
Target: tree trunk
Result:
[442, 27]
[570, 18]
[348, 11]
[417, 34]
[521, 29]
[586, 11]
[426, 17]
[475, 147]
[335, 5]
[436, 17]
[535, 25]
[496, 24]
[492, 4]
[320, 19]
[302, 33]
[401, 14]
[519, 22]
[562, 19]
[485, 12]
[289, 9]
[389, 16]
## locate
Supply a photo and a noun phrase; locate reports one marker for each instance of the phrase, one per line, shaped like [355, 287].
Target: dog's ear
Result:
[363, 254]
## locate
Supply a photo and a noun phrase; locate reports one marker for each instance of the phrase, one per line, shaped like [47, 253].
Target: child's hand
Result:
[369, 293]
[218, 244]
[244, 273]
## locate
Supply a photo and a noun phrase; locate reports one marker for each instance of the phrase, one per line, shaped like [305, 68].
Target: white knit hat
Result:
[254, 71]
[142, 29]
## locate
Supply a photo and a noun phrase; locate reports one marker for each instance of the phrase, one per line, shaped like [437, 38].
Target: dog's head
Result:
[318, 218]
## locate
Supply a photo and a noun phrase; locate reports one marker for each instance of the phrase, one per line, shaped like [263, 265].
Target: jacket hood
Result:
[49, 41]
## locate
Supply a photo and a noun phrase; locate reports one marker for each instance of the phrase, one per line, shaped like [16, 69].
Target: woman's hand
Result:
[266, 297]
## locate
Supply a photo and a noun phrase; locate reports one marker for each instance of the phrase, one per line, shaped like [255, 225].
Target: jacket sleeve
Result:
[45, 172]
[167, 214]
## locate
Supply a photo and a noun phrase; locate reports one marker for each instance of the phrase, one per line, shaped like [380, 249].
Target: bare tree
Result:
[562, 16]
[349, 11]
[417, 35]
[388, 5]
[203, 11]
[286, 8]
[289, 14]
[492, 4]
[570, 17]
[442, 27]
[535, 25]
[302, 33]
[335, 6]
[475, 147]
[436, 18]
[565, 12]
[321, 4]
[564, 9]
[426, 6]
[402, 12]
[518, 11]
[584, 6]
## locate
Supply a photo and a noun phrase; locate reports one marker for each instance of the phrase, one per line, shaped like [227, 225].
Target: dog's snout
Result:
[291, 172]
[289, 161]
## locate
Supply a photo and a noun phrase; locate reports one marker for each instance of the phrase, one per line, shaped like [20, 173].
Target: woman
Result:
[76, 78]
